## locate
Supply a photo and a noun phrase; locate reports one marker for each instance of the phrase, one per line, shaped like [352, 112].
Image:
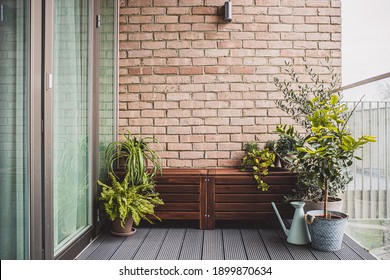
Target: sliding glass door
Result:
[14, 118]
[56, 111]
[71, 120]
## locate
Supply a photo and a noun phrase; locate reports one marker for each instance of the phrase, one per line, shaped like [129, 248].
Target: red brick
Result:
[140, 71]
[165, 53]
[191, 70]
[192, 138]
[204, 10]
[204, 44]
[204, 163]
[165, 3]
[203, 129]
[229, 44]
[177, 27]
[166, 70]
[204, 61]
[178, 130]
[216, 121]
[178, 45]
[179, 147]
[165, 36]
[205, 146]
[153, 45]
[190, 2]
[178, 79]
[153, 11]
[178, 10]
[191, 19]
[242, 70]
[191, 121]
[129, 11]
[138, 3]
[191, 155]
[216, 70]
[166, 19]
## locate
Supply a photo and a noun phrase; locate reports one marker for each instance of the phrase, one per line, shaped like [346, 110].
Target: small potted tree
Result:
[296, 103]
[326, 154]
[133, 198]
[323, 152]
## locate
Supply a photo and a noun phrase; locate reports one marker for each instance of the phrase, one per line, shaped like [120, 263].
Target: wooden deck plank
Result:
[298, 252]
[170, 250]
[275, 245]
[131, 245]
[107, 248]
[346, 253]
[92, 247]
[233, 245]
[362, 252]
[254, 245]
[195, 244]
[320, 255]
[213, 245]
[192, 245]
[152, 244]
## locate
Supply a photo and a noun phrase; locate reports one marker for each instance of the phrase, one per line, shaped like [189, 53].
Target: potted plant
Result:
[259, 160]
[134, 197]
[323, 152]
[296, 103]
[126, 203]
[326, 155]
[284, 147]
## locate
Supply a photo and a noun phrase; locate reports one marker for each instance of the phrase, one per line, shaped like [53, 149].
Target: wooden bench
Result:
[208, 195]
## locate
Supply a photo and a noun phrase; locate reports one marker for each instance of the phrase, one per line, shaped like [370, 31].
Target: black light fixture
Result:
[228, 15]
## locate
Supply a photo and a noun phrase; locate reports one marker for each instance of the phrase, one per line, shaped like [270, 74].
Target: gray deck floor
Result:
[150, 243]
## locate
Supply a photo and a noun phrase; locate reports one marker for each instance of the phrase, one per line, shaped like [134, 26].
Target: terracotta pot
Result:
[334, 204]
[118, 230]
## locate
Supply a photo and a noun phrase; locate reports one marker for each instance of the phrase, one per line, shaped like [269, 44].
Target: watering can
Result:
[298, 233]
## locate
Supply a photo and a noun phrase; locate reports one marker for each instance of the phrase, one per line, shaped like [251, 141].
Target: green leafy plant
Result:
[123, 199]
[251, 146]
[270, 145]
[327, 151]
[135, 195]
[297, 95]
[296, 102]
[259, 160]
[285, 146]
[136, 156]
[324, 152]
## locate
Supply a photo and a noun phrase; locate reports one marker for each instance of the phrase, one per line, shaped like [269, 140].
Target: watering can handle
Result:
[312, 219]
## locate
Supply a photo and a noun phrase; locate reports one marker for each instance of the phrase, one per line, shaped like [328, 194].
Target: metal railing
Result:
[367, 197]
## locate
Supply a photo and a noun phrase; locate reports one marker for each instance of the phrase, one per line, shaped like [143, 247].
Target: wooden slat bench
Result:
[208, 195]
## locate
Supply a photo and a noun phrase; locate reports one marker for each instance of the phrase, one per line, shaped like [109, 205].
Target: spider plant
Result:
[135, 155]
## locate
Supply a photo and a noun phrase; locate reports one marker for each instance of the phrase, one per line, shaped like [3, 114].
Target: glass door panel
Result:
[107, 76]
[14, 117]
[71, 88]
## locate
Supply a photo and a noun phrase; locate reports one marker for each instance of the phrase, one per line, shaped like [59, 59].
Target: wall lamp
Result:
[228, 11]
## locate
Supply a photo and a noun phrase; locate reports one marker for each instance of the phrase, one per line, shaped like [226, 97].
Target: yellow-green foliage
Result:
[122, 200]
[259, 160]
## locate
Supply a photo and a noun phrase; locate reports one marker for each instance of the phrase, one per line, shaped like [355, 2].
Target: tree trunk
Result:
[326, 199]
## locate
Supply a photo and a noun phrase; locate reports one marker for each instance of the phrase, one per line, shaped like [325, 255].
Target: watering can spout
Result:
[298, 233]
[286, 231]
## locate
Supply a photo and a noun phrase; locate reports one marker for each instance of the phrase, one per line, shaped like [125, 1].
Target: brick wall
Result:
[204, 87]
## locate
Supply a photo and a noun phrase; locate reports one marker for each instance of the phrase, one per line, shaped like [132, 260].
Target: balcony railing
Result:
[367, 198]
